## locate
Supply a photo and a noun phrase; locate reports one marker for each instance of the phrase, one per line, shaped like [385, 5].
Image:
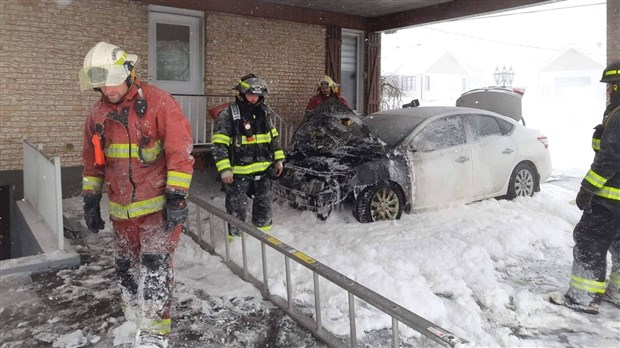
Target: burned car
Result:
[409, 159]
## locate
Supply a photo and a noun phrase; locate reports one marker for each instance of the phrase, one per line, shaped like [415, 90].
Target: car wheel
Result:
[522, 182]
[381, 201]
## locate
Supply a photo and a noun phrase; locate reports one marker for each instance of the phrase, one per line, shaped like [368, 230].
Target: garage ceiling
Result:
[365, 15]
[360, 8]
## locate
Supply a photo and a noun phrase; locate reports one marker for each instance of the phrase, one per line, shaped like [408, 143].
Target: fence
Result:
[354, 290]
[42, 187]
[196, 109]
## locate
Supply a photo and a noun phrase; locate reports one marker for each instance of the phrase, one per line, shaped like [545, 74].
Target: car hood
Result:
[333, 138]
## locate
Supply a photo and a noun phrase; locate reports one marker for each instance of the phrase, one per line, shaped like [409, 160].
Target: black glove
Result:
[175, 211]
[92, 214]
[584, 200]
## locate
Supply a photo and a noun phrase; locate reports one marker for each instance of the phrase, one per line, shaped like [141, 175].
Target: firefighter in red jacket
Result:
[598, 231]
[142, 154]
[327, 88]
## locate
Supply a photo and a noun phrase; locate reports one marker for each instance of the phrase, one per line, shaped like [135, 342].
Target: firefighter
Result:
[142, 154]
[326, 89]
[247, 153]
[598, 231]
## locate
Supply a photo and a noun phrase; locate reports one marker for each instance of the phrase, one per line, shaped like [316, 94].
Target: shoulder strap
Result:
[234, 109]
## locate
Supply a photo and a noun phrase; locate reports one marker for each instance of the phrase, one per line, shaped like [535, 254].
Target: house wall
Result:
[613, 32]
[43, 43]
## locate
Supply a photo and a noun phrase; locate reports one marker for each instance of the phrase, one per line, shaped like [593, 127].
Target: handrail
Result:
[354, 289]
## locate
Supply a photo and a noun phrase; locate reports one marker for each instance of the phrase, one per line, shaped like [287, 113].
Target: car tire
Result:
[381, 201]
[522, 182]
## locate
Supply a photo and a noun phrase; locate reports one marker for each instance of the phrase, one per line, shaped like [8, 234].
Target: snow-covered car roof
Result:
[392, 126]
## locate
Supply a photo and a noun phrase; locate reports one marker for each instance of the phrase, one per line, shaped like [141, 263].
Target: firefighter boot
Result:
[589, 307]
[612, 293]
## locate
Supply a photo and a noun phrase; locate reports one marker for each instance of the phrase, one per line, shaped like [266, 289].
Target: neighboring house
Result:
[442, 80]
[571, 76]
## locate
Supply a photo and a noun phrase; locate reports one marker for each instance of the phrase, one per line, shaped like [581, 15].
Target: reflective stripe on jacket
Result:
[603, 178]
[241, 153]
[146, 157]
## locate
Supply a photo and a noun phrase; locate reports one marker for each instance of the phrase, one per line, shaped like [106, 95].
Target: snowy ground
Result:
[480, 271]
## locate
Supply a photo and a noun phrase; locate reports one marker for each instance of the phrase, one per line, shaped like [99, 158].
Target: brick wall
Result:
[43, 43]
[613, 30]
[42, 47]
[289, 56]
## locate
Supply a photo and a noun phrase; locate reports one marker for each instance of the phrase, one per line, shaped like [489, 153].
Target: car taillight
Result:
[543, 139]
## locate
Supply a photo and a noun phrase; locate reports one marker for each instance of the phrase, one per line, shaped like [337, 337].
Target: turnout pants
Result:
[237, 200]
[144, 251]
[596, 233]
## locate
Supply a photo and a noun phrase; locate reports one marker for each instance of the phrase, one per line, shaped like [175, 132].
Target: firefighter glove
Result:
[92, 214]
[584, 200]
[175, 211]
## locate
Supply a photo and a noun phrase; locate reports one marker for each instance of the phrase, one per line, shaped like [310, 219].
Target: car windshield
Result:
[393, 126]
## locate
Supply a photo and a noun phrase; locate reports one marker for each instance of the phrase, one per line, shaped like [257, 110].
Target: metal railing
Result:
[196, 109]
[354, 290]
[43, 188]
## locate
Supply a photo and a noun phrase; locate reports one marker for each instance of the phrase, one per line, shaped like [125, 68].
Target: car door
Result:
[493, 154]
[441, 163]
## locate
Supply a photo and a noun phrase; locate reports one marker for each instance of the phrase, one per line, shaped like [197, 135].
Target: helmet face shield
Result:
[101, 76]
[254, 86]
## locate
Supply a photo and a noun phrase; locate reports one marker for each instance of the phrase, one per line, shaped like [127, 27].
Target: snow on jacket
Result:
[145, 157]
[604, 174]
[320, 98]
[246, 153]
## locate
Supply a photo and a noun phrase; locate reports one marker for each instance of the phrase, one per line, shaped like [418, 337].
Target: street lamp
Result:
[497, 76]
[503, 77]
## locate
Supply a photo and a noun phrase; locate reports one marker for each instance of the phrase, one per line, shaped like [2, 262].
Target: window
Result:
[440, 134]
[351, 62]
[427, 83]
[176, 50]
[483, 126]
[408, 83]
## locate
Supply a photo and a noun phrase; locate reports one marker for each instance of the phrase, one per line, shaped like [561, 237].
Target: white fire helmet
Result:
[106, 65]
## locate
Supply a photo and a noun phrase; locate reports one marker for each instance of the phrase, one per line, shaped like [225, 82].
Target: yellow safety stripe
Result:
[160, 327]
[137, 209]
[221, 139]
[178, 179]
[274, 132]
[257, 139]
[122, 151]
[264, 228]
[278, 155]
[121, 59]
[251, 168]
[612, 72]
[595, 179]
[222, 164]
[609, 192]
[591, 286]
[614, 279]
[596, 144]
[92, 183]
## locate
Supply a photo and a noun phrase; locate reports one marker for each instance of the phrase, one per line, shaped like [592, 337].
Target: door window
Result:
[175, 50]
[440, 134]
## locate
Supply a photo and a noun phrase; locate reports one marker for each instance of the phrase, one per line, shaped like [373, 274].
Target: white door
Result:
[442, 164]
[493, 154]
[175, 52]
